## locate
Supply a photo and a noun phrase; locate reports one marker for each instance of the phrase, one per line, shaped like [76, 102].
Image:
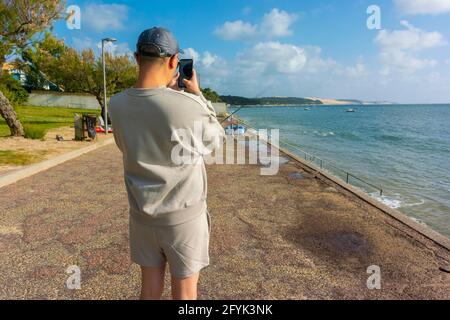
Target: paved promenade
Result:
[288, 236]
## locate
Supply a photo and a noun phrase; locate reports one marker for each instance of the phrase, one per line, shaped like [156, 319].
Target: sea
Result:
[402, 149]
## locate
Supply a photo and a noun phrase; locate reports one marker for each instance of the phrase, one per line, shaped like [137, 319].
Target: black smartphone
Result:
[185, 68]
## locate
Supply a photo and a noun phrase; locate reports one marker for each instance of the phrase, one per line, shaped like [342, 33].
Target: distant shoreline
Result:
[295, 101]
[335, 105]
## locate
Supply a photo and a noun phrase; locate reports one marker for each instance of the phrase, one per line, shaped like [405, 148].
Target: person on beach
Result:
[169, 222]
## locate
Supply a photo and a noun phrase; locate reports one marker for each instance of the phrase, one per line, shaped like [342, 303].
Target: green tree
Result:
[20, 22]
[48, 46]
[12, 89]
[81, 71]
[211, 95]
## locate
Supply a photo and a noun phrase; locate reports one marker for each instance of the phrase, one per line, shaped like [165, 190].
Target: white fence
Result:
[64, 100]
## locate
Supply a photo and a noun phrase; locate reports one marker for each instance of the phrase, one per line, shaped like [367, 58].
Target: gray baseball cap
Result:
[162, 39]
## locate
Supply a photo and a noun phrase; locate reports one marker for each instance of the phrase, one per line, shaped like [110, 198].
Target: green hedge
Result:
[34, 132]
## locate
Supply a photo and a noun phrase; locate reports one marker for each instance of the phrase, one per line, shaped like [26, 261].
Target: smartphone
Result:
[185, 68]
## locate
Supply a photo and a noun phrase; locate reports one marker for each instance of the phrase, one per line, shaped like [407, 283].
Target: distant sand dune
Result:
[332, 101]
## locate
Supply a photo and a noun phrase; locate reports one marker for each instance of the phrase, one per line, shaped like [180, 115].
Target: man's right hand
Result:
[192, 85]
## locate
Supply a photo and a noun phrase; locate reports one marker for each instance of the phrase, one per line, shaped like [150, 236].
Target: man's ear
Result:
[173, 61]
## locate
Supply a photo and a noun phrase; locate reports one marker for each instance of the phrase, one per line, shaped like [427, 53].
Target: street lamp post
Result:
[105, 104]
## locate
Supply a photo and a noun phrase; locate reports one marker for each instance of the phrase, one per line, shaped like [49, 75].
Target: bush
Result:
[211, 95]
[12, 89]
[34, 132]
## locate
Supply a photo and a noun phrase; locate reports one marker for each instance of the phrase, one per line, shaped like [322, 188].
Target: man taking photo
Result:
[169, 221]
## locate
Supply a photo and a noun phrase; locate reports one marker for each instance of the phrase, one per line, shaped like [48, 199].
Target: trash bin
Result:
[78, 125]
[90, 122]
[85, 124]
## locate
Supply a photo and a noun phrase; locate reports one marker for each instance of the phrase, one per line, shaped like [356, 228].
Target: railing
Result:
[323, 164]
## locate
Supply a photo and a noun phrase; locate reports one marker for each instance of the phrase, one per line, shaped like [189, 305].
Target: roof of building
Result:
[8, 66]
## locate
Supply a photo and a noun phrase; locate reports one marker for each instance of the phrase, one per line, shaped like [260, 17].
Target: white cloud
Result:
[276, 23]
[83, 43]
[103, 17]
[403, 62]
[213, 70]
[210, 60]
[273, 68]
[236, 30]
[315, 62]
[270, 68]
[434, 77]
[116, 49]
[275, 57]
[399, 48]
[411, 38]
[358, 70]
[190, 53]
[414, 7]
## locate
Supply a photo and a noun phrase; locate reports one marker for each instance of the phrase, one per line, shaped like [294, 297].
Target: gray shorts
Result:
[185, 247]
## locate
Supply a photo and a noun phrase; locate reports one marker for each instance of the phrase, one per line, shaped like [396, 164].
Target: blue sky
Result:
[291, 48]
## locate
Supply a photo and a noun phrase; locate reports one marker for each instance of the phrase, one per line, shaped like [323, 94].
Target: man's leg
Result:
[185, 289]
[152, 283]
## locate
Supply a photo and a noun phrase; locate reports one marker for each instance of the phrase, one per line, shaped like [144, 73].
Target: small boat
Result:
[307, 109]
[351, 110]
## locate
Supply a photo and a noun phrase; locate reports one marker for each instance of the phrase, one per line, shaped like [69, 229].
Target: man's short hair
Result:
[150, 53]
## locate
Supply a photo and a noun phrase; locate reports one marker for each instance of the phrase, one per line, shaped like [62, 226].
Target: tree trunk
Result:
[100, 101]
[8, 113]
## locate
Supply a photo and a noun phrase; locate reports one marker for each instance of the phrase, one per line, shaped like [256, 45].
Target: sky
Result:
[378, 50]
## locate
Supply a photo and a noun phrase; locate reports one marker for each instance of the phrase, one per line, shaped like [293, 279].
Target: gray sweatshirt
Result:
[154, 128]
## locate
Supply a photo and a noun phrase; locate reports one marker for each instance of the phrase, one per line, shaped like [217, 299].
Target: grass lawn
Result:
[20, 158]
[45, 117]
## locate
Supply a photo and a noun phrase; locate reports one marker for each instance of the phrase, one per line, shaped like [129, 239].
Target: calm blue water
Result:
[403, 148]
